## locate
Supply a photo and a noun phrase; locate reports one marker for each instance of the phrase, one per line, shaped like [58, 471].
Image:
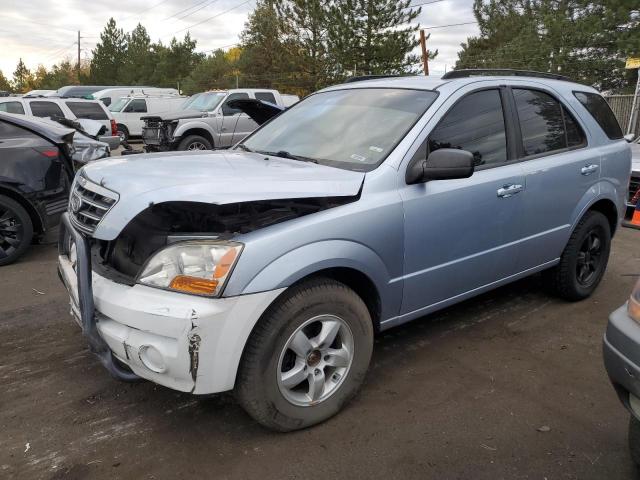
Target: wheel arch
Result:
[36, 219]
[197, 129]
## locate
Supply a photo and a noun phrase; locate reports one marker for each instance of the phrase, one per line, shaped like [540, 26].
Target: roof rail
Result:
[362, 78]
[470, 72]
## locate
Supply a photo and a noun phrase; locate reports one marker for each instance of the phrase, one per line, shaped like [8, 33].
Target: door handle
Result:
[509, 190]
[589, 169]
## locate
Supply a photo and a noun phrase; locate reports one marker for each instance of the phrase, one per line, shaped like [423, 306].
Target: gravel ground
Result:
[461, 394]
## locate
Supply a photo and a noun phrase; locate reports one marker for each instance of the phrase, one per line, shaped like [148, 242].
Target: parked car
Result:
[633, 195]
[88, 144]
[622, 360]
[79, 91]
[267, 268]
[35, 175]
[128, 111]
[110, 95]
[39, 93]
[69, 108]
[206, 121]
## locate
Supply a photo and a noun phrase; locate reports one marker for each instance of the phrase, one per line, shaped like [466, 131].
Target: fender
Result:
[603, 190]
[190, 124]
[315, 257]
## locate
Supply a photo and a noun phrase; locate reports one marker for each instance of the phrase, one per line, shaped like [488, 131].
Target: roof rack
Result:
[362, 78]
[470, 72]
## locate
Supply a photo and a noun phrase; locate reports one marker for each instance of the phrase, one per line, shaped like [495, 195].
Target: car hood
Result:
[218, 177]
[175, 115]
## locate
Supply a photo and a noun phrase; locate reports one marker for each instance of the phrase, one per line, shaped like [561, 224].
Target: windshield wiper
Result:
[242, 146]
[285, 154]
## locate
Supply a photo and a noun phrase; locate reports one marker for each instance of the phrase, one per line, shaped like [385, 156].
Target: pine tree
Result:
[109, 57]
[139, 64]
[5, 86]
[373, 36]
[213, 72]
[22, 78]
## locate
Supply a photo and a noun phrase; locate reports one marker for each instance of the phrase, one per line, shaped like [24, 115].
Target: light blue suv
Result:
[268, 268]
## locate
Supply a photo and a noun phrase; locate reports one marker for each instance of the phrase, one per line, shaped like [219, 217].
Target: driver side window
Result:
[475, 124]
[227, 111]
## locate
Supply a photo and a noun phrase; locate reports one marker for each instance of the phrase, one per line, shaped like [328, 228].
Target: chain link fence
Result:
[621, 106]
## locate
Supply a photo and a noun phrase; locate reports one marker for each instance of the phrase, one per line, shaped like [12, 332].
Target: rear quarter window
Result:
[266, 97]
[601, 113]
[90, 110]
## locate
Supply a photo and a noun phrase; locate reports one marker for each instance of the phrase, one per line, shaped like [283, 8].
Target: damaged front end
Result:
[157, 134]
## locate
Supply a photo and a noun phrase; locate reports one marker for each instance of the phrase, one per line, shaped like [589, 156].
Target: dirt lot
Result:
[457, 395]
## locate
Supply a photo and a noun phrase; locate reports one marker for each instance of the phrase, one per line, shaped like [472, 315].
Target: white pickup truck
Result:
[207, 121]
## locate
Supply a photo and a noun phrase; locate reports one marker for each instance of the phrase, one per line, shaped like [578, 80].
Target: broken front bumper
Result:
[187, 343]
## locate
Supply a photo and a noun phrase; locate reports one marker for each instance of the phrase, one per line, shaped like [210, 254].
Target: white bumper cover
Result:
[184, 342]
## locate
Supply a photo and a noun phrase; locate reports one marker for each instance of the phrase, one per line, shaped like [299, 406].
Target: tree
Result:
[373, 36]
[22, 78]
[109, 57]
[215, 71]
[5, 86]
[139, 62]
[175, 62]
[583, 39]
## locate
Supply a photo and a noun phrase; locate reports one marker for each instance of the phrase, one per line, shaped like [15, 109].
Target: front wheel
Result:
[307, 356]
[195, 142]
[584, 259]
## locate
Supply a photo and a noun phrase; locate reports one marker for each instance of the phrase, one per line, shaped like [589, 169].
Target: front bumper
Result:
[187, 343]
[621, 351]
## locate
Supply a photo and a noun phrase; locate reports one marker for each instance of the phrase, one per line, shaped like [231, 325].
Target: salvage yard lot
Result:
[461, 394]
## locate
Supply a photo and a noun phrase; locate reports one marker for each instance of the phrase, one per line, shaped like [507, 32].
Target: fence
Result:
[621, 106]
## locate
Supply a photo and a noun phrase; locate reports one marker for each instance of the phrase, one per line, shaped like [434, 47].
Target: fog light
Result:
[152, 358]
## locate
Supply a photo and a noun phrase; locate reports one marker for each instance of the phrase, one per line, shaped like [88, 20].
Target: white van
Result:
[128, 110]
[109, 95]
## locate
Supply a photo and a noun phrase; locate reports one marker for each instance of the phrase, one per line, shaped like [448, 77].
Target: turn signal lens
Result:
[225, 264]
[199, 286]
[633, 307]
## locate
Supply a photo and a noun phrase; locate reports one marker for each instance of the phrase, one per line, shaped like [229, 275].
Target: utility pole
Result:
[425, 54]
[78, 55]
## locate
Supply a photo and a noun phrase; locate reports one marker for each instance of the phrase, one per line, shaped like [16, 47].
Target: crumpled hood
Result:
[175, 115]
[218, 177]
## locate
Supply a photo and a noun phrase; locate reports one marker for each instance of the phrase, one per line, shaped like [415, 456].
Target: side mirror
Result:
[442, 164]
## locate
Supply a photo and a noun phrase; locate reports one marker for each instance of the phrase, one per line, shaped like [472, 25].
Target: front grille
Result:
[634, 188]
[88, 203]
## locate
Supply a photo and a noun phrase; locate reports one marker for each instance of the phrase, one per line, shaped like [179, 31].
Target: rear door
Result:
[558, 168]
[461, 235]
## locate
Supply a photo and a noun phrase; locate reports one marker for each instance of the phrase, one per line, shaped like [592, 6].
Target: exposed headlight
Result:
[633, 307]
[199, 267]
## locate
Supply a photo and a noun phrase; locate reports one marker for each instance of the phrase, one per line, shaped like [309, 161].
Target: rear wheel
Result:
[123, 133]
[195, 142]
[16, 230]
[307, 356]
[584, 259]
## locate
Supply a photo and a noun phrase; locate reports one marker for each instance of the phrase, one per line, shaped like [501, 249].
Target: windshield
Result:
[353, 129]
[118, 105]
[204, 102]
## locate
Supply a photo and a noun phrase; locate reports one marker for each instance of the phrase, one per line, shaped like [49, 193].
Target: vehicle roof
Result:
[46, 128]
[37, 98]
[421, 82]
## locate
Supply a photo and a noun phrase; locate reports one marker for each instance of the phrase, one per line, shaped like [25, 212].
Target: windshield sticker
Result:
[373, 148]
[359, 158]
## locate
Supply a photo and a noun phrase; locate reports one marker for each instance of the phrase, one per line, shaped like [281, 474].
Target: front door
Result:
[460, 234]
[230, 119]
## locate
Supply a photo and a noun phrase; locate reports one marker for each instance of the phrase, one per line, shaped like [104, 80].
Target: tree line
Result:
[294, 45]
[586, 40]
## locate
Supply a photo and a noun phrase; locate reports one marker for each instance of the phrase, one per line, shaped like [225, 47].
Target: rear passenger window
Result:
[545, 125]
[601, 112]
[475, 124]
[226, 109]
[139, 105]
[266, 97]
[12, 107]
[90, 110]
[46, 109]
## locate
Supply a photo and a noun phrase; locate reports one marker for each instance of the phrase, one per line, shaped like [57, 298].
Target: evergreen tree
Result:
[373, 36]
[215, 71]
[583, 39]
[139, 65]
[5, 86]
[22, 78]
[108, 65]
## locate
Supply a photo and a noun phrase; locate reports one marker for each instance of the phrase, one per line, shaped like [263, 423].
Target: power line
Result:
[143, 11]
[180, 17]
[450, 25]
[210, 18]
[40, 23]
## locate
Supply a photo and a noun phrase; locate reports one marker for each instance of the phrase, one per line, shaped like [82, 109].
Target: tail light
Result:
[114, 128]
[49, 152]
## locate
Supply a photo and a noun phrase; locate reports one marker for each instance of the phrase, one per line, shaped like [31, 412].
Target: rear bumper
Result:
[621, 352]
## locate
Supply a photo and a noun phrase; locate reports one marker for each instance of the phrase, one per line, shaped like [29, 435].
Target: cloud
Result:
[45, 32]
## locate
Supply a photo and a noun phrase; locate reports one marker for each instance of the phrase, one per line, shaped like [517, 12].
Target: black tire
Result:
[16, 230]
[123, 133]
[634, 440]
[567, 279]
[257, 388]
[192, 142]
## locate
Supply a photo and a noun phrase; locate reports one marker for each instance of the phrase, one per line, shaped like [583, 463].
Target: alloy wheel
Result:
[589, 258]
[315, 360]
[197, 146]
[11, 231]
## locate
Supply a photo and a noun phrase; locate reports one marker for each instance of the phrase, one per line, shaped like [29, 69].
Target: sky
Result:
[45, 31]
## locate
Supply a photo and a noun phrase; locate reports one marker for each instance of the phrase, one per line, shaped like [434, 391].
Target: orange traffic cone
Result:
[635, 219]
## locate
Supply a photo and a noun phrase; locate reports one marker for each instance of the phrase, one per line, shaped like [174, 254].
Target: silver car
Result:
[268, 268]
